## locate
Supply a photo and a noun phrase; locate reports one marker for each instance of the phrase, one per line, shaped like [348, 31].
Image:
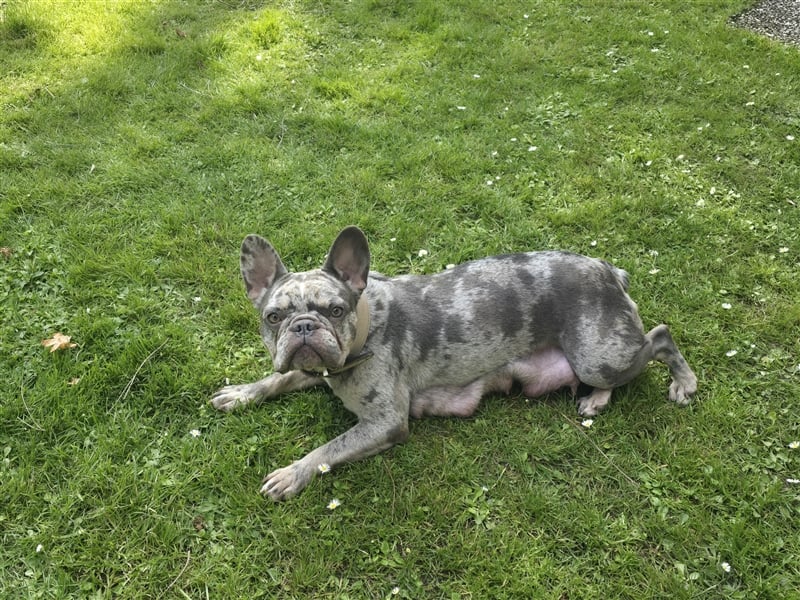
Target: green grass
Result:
[139, 142]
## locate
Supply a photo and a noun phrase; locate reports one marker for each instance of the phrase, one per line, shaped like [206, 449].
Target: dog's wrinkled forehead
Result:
[308, 291]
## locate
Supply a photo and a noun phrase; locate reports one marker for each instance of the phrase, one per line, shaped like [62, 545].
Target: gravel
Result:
[777, 19]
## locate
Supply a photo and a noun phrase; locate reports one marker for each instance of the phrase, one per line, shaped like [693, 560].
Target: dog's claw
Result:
[231, 397]
[286, 482]
[682, 390]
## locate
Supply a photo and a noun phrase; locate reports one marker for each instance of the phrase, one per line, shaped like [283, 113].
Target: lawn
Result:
[141, 141]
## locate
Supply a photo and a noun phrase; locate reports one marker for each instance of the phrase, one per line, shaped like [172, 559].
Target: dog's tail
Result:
[621, 275]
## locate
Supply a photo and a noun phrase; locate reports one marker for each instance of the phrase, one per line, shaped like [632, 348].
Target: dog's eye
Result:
[337, 311]
[273, 318]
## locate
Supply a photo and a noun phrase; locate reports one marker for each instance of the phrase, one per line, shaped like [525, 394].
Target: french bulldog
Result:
[415, 345]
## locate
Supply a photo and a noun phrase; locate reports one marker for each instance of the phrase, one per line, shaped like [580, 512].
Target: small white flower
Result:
[726, 305]
[794, 445]
[731, 353]
[461, 107]
[395, 591]
[323, 467]
[259, 57]
[533, 148]
[333, 504]
[39, 548]
[484, 488]
[489, 182]
[793, 481]
[195, 433]
[587, 423]
[494, 153]
[394, 239]
[726, 567]
[196, 299]
[745, 67]
[513, 139]
[783, 250]
[751, 103]
[713, 190]
[680, 157]
[524, 16]
[450, 266]
[790, 138]
[476, 76]
[654, 271]
[648, 163]
[593, 243]
[654, 50]
[422, 253]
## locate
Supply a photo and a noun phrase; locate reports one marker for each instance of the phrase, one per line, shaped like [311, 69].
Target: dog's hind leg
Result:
[684, 381]
[657, 344]
[596, 401]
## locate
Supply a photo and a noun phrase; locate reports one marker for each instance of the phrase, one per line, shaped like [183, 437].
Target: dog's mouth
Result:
[306, 358]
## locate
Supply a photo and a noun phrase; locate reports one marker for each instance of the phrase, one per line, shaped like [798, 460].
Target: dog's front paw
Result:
[286, 482]
[233, 396]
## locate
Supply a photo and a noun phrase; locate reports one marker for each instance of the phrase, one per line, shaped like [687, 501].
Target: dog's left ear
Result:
[348, 258]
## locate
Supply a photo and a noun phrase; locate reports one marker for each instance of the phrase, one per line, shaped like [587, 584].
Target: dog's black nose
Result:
[304, 327]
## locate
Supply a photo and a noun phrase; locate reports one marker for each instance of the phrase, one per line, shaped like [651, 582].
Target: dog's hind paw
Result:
[682, 389]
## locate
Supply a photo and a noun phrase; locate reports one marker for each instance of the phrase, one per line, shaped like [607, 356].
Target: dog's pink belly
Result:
[543, 372]
[540, 373]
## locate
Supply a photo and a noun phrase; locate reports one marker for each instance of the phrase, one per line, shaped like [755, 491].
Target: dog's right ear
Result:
[261, 266]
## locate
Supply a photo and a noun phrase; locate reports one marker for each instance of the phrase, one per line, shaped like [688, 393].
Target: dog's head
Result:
[308, 320]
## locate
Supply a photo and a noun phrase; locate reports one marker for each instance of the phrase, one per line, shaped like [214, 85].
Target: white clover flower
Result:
[726, 305]
[790, 138]
[654, 271]
[333, 504]
[731, 353]
[794, 445]
[587, 423]
[196, 299]
[323, 468]
[783, 249]
[39, 548]
[395, 591]
[422, 253]
[195, 433]
[461, 107]
[489, 182]
[725, 567]
[533, 148]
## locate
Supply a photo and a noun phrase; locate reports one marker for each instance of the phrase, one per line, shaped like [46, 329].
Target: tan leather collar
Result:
[362, 325]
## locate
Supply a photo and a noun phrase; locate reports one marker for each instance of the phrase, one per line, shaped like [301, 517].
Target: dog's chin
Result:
[307, 358]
